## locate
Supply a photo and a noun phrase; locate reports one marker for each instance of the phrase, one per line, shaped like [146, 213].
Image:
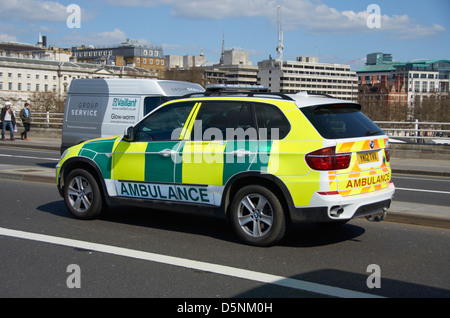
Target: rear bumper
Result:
[329, 208]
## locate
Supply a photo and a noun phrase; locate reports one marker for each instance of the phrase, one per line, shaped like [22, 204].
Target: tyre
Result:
[82, 195]
[257, 216]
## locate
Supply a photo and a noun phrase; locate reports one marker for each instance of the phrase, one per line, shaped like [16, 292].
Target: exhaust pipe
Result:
[377, 218]
[336, 211]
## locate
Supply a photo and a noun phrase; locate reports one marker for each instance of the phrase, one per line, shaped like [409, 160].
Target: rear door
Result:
[221, 143]
[369, 168]
[355, 134]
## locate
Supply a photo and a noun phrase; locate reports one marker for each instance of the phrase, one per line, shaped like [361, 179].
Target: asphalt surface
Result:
[402, 212]
[153, 254]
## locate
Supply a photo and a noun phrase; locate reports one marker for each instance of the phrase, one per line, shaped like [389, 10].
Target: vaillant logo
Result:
[124, 102]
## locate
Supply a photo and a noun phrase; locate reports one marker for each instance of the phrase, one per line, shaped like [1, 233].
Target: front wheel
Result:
[257, 216]
[82, 194]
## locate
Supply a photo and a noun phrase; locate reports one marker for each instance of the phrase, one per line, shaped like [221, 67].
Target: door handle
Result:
[167, 153]
[240, 153]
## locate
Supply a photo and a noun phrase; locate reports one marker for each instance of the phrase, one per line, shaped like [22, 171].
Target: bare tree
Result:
[47, 101]
[434, 107]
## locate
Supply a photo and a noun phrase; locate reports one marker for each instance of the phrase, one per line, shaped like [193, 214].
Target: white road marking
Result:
[27, 157]
[186, 263]
[437, 179]
[422, 190]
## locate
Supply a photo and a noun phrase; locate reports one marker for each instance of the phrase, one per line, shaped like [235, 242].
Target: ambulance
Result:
[106, 107]
[261, 160]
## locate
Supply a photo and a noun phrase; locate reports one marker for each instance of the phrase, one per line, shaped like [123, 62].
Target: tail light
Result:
[328, 159]
[388, 156]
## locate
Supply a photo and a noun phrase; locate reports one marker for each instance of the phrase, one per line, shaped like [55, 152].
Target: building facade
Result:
[185, 62]
[234, 68]
[422, 78]
[130, 53]
[383, 99]
[306, 74]
[21, 78]
[237, 67]
[35, 52]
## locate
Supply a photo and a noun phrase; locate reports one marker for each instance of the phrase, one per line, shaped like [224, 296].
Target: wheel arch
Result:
[86, 164]
[269, 181]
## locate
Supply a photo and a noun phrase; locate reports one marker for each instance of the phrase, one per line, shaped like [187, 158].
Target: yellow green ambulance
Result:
[261, 160]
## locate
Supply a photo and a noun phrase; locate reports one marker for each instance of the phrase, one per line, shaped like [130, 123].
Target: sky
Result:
[336, 31]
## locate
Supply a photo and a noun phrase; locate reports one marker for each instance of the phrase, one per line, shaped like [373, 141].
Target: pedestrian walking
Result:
[8, 120]
[25, 115]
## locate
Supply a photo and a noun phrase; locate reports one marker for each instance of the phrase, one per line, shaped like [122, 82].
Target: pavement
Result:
[401, 212]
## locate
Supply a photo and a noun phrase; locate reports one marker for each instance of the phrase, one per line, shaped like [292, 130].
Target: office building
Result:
[234, 68]
[306, 74]
[421, 77]
[21, 78]
[130, 53]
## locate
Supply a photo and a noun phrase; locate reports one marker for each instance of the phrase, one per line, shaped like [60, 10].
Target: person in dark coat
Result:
[25, 115]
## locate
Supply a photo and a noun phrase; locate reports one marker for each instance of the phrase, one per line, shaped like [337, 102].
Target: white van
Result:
[97, 108]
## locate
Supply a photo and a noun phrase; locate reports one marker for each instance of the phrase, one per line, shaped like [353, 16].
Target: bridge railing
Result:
[415, 131]
[43, 120]
[410, 131]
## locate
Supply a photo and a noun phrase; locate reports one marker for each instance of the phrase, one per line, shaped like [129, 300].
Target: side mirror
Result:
[129, 134]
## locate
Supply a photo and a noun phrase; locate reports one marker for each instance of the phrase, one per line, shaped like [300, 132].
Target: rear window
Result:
[341, 121]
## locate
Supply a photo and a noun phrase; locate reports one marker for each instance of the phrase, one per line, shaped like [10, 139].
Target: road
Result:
[413, 189]
[142, 253]
[29, 157]
[422, 189]
[413, 261]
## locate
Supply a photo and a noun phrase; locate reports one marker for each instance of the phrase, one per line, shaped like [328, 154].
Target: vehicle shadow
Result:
[299, 235]
[319, 234]
[51, 165]
[354, 282]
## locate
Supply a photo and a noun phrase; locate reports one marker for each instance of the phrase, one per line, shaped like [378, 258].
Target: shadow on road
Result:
[299, 235]
[389, 288]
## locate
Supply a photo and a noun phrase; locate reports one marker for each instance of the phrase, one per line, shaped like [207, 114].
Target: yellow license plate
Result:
[368, 157]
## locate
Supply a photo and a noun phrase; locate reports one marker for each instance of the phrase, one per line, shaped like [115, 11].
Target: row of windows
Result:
[20, 87]
[150, 61]
[423, 75]
[37, 76]
[417, 85]
[104, 53]
[319, 73]
[348, 87]
[94, 53]
[411, 75]
[311, 67]
[339, 94]
[295, 79]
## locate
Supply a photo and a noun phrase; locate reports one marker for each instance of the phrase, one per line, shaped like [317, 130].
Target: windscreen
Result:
[337, 121]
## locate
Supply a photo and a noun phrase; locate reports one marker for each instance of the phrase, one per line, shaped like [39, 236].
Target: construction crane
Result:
[351, 62]
[280, 46]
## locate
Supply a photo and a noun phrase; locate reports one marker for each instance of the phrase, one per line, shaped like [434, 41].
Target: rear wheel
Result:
[82, 194]
[257, 216]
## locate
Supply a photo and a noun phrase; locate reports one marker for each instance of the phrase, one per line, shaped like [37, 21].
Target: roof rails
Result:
[236, 87]
[232, 89]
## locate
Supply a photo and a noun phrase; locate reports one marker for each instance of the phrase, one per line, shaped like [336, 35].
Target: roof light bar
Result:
[236, 87]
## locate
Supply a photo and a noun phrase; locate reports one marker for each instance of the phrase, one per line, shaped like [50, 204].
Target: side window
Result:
[225, 120]
[160, 126]
[272, 124]
[150, 103]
